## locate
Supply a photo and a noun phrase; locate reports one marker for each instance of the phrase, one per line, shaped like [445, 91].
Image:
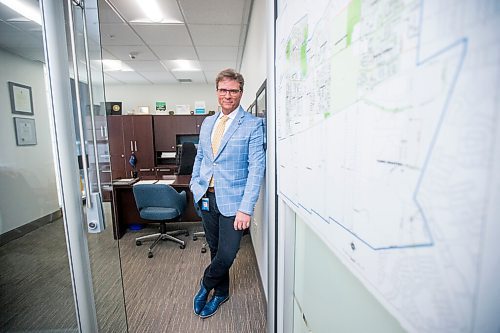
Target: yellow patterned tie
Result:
[219, 133]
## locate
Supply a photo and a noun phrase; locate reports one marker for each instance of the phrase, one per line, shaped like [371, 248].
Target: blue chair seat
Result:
[160, 203]
[159, 213]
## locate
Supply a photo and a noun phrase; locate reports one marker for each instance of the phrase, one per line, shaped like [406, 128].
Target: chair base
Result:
[162, 235]
[200, 234]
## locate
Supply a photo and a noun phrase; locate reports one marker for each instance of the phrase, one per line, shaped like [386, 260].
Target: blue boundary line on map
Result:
[418, 62]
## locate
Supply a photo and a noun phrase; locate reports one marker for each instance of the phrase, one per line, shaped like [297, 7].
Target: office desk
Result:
[124, 209]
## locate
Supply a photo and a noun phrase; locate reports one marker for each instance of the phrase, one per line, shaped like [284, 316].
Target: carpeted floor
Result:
[36, 293]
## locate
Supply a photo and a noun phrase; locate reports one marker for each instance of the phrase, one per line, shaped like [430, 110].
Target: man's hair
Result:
[230, 74]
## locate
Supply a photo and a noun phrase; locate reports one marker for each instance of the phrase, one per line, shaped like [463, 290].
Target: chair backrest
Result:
[186, 159]
[159, 195]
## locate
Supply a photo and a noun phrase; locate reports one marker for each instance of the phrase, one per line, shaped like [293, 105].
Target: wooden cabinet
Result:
[134, 135]
[164, 129]
[167, 128]
[131, 135]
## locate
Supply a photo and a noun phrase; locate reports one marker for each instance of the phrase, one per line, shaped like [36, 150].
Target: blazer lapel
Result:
[238, 119]
[209, 137]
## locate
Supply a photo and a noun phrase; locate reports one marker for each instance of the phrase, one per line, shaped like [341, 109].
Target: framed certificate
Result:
[25, 131]
[21, 101]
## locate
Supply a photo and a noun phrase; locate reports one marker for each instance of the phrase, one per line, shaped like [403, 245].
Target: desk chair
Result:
[186, 155]
[199, 233]
[160, 203]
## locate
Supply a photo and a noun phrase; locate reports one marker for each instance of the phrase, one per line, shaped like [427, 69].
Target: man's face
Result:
[228, 98]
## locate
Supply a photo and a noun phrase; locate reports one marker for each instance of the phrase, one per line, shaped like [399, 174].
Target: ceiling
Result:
[210, 32]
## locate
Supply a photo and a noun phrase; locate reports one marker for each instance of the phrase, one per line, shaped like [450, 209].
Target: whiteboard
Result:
[388, 146]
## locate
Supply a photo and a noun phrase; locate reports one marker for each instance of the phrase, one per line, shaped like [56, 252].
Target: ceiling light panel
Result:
[183, 65]
[26, 10]
[148, 11]
[145, 66]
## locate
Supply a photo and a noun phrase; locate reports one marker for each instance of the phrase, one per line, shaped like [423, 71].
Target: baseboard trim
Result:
[29, 227]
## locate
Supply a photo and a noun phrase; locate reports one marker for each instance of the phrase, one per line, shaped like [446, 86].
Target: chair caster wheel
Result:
[187, 233]
[138, 243]
[150, 255]
[195, 238]
[182, 246]
[203, 250]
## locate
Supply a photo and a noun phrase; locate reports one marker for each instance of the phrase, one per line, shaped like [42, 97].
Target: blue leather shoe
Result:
[200, 299]
[212, 306]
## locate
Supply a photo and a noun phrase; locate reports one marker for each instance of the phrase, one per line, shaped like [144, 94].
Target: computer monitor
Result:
[194, 138]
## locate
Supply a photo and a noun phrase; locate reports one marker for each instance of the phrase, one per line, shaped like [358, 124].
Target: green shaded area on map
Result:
[288, 49]
[353, 17]
[303, 53]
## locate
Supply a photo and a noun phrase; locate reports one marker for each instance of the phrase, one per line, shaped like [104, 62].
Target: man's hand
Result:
[242, 221]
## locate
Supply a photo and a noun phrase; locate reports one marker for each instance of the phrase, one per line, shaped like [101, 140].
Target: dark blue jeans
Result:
[224, 243]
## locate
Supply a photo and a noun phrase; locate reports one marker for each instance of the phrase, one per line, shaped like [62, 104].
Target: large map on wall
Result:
[388, 146]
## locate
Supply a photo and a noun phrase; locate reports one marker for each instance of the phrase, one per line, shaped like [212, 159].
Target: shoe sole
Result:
[205, 317]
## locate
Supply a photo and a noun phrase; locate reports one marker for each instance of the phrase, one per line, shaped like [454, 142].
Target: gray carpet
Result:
[36, 293]
[159, 291]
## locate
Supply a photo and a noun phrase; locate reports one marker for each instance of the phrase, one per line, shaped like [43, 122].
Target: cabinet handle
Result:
[102, 132]
[123, 155]
[144, 169]
[135, 145]
[163, 169]
[131, 146]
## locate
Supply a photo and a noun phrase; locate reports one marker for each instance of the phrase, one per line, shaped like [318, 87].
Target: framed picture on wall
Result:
[252, 109]
[21, 101]
[261, 101]
[260, 106]
[25, 131]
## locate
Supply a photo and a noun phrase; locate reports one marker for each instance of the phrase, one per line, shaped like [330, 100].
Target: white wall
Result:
[253, 66]
[28, 187]
[134, 96]
[253, 69]
[327, 296]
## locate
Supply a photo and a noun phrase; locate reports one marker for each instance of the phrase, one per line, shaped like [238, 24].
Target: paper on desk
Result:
[123, 181]
[166, 181]
[146, 181]
[167, 154]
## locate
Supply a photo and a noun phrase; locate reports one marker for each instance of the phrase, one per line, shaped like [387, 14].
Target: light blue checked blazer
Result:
[238, 167]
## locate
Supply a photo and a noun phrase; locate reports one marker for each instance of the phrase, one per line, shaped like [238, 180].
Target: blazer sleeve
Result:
[195, 175]
[256, 169]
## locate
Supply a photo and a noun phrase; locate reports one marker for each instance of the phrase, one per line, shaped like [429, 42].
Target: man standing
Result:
[226, 179]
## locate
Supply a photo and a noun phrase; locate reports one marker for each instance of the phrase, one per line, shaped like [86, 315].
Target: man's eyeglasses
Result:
[232, 92]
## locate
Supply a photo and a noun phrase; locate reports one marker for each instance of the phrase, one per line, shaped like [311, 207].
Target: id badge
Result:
[204, 204]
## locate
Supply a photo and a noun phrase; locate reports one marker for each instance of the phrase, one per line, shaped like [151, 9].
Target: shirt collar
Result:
[232, 115]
